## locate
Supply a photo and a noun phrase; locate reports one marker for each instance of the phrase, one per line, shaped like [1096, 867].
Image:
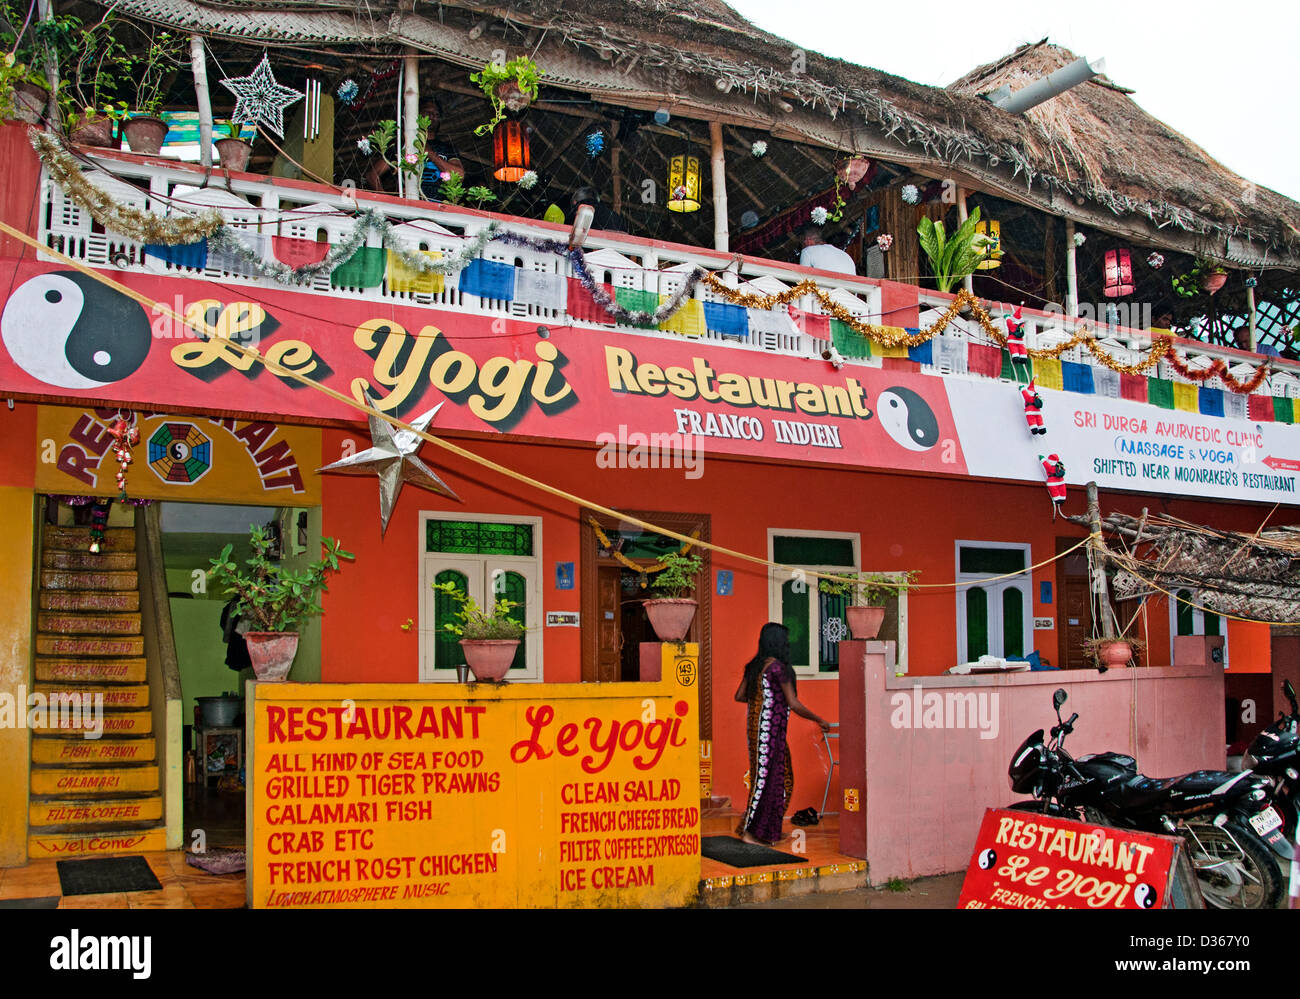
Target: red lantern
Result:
[1119, 274]
[510, 157]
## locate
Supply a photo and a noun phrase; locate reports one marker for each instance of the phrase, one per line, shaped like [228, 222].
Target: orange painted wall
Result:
[906, 522]
[18, 445]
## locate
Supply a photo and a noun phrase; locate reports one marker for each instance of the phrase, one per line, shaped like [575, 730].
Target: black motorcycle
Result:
[1275, 753]
[1213, 810]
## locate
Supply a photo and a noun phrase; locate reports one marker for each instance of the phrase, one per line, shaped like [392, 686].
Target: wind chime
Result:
[125, 436]
[311, 111]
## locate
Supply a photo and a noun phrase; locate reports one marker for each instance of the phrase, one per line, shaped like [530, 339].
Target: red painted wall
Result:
[906, 522]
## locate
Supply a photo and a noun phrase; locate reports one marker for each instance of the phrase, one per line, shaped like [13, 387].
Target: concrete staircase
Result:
[101, 795]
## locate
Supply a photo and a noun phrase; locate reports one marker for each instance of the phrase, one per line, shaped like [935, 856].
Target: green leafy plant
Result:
[676, 580]
[410, 163]
[1191, 283]
[871, 589]
[480, 195]
[521, 71]
[30, 44]
[896, 885]
[273, 597]
[453, 189]
[475, 623]
[97, 70]
[953, 257]
[151, 70]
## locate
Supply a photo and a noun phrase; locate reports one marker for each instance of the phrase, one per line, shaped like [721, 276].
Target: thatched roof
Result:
[702, 59]
[1256, 576]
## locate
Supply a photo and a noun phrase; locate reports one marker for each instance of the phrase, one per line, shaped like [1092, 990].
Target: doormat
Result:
[737, 853]
[47, 902]
[218, 860]
[102, 875]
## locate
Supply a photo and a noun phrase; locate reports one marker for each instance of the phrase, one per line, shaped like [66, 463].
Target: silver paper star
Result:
[393, 457]
[260, 98]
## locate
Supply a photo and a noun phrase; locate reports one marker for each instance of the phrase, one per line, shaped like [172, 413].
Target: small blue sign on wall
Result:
[564, 575]
[1045, 592]
[724, 582]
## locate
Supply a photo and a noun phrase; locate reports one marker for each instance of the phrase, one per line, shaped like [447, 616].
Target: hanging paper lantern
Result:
[992, 232]
[510, 155]
[1119, 274]
[684, 183]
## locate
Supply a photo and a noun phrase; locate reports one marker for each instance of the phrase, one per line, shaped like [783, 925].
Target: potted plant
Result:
[510, 86]
[672, 611]
[869, 591]
[233, 150]
[274, 599]
[145, 131]
[953, 257]
[97, 69]
[382, 137]
[1212, 276]
[1115, 651]
[488, 636]
[31, 43]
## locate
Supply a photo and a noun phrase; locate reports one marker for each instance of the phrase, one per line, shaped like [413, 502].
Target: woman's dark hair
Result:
[773, 643]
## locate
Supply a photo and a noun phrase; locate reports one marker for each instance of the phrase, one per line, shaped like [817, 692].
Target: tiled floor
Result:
[183, 887]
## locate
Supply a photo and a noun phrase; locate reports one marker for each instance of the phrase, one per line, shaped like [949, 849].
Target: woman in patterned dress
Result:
[768, 684]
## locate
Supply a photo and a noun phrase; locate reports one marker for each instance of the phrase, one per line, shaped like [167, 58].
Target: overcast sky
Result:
[1226, 75]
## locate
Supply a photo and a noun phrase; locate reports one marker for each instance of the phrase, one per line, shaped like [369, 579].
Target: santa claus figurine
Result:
[1033, 408]
[1054, 469]
[1016, 338]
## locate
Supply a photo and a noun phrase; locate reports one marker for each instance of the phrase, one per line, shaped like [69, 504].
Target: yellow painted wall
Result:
[547, 796]
[17, 547]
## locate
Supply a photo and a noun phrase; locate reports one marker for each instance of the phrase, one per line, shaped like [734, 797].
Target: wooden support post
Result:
[1071, 276]
[616, 171]
[968, 282]
[199, 66]
[45, 13]
[1098, 561]
[721, 237]
[1250, 304]
[410, 187]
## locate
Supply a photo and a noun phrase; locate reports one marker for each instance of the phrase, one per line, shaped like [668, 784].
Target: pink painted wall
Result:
[920, 813]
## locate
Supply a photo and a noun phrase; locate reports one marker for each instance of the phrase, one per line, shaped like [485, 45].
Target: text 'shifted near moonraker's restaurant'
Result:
[450, 795]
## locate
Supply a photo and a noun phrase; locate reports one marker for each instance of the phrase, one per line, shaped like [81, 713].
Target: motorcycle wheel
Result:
[1233, 875]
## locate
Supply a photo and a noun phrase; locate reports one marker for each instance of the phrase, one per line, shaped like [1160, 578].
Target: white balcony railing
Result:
[261, 208]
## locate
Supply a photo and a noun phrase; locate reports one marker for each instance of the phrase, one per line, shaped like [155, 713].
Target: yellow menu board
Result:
[473, 795]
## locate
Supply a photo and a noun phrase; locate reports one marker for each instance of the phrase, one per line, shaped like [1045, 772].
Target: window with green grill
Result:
[817, 622]
[489, 560]
[993, 609]
[1188, 617]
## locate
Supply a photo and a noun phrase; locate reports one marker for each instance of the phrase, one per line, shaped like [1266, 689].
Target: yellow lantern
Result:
[993, 249]
[684, 184]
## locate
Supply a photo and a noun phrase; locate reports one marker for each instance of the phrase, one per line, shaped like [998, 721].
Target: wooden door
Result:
[1074, 602]
[606, 665]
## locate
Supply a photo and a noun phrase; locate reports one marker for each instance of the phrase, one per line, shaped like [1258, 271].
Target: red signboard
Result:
[1028, 861]
[68, 337]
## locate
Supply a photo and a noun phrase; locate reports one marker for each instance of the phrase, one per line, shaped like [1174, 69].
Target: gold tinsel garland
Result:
[894, 336]
[644, 570]
[134, 223]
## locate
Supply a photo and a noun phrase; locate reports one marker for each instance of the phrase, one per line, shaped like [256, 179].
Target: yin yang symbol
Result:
[1144, 895]
[66, 329]
[907, 418]
[987, 859]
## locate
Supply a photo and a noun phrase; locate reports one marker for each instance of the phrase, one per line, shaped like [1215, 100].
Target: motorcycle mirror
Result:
[1058, 698]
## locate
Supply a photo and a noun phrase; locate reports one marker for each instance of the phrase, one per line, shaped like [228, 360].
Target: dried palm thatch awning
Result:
[1255, 576]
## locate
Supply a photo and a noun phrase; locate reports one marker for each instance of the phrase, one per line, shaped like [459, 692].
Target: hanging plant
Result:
[510, 87]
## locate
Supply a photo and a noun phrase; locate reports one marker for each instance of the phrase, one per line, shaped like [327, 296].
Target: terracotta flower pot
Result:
[272, 653]
[865, 622]
[1116, 653]
[97, 131]
[233, 153]
[489, 659]
[1213, 282]
[511, 96]
[145, 134]
[670, 617]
